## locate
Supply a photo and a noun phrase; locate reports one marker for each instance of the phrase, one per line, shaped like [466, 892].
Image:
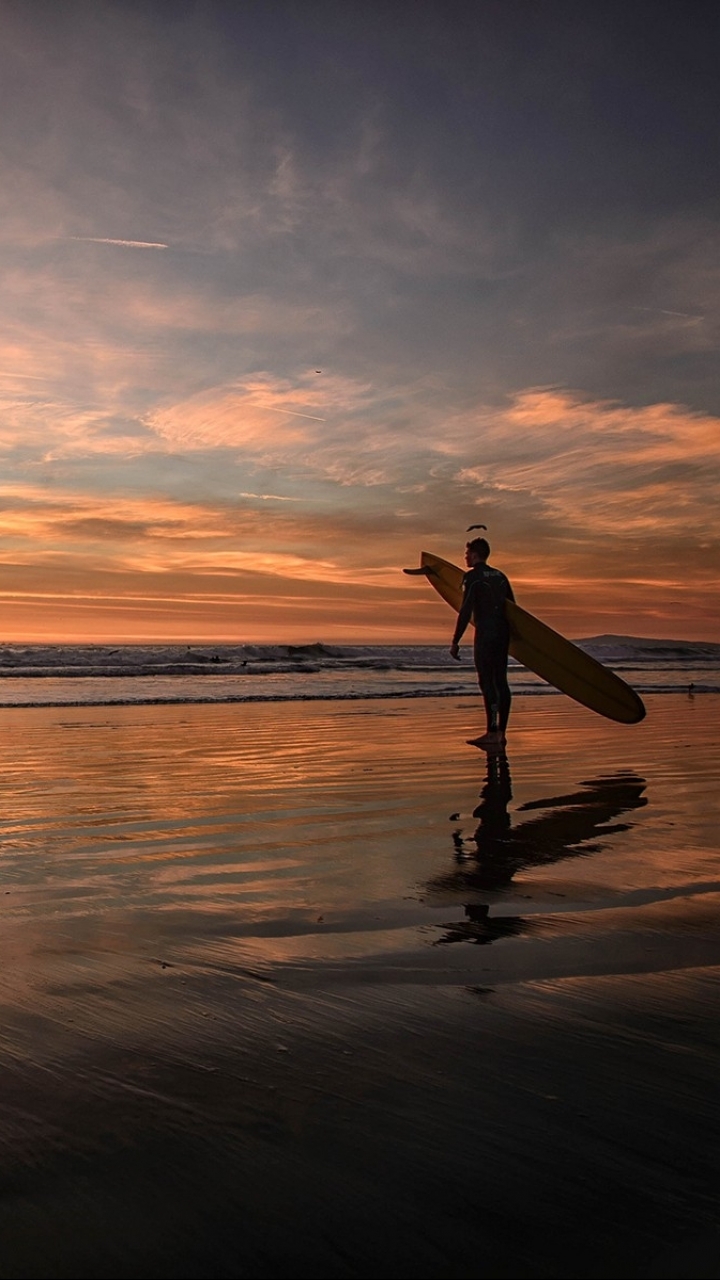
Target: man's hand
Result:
[455, 651]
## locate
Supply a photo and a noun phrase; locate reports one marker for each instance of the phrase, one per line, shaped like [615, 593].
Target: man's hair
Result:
[480, 546]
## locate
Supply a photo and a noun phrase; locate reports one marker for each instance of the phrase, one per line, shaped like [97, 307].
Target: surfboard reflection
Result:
[570, 826]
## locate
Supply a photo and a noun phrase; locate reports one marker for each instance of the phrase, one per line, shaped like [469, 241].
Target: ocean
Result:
[97, 675]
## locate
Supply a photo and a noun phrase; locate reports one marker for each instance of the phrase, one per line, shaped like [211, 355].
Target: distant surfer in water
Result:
[485, 591]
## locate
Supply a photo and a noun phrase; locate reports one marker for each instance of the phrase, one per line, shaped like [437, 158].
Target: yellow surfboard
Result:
[545, 651]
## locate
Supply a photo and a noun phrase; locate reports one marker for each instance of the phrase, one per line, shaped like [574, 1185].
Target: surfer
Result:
[485, 591]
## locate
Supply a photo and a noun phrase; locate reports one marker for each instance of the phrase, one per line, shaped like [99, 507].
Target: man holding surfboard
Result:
[485, 591]
[533, 644]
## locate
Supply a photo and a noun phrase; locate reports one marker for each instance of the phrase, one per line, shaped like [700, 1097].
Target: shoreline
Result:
[382, 695]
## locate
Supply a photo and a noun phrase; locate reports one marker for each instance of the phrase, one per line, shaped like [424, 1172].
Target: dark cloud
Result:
[101, 529]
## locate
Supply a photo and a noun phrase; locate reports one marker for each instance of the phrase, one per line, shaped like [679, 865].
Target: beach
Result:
[316, 989]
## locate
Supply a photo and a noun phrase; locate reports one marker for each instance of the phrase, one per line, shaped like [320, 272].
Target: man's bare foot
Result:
[494, 739]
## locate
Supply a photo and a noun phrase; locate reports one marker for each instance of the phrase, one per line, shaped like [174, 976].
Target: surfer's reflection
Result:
[497, 850]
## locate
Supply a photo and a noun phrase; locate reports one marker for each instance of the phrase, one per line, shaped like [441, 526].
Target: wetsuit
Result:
[485, 591]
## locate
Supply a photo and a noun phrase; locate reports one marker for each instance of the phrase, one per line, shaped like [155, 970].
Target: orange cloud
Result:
[589, 503]
[242, 416]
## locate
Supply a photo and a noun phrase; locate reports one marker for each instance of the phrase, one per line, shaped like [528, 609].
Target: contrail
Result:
[663, 311]
[127, 244]
[292, 412]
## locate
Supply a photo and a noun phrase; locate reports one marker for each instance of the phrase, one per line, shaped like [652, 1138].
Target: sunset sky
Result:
[292, 291]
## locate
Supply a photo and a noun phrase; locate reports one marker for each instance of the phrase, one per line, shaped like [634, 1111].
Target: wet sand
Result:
[318, 990]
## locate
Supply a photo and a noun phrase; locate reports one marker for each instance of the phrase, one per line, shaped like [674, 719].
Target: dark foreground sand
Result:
[309, 991]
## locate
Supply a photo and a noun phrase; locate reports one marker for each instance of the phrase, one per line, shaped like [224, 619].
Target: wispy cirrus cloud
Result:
[269, 497]
[605, 468]
[240, 415]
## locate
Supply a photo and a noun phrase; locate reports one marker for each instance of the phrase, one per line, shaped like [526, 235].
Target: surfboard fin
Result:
[423, 571]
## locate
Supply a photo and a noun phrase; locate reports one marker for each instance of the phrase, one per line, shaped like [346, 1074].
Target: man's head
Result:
[477, 551]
